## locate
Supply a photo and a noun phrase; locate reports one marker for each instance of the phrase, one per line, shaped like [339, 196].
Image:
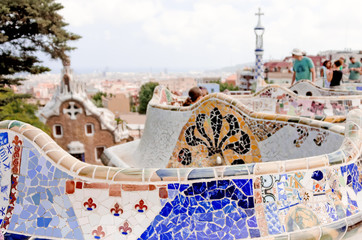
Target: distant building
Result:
[203, 80]
[77, 125]
[336, 54]
[232, 79]
[278, 66]
[117, 104]
[178, 84]
[245, 79]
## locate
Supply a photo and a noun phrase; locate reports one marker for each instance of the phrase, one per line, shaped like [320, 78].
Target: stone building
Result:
[77, 125]
[117, 103]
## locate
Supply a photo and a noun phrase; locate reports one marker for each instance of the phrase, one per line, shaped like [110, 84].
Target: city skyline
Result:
[184, 35]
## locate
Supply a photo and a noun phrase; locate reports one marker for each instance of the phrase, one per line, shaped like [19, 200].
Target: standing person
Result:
[303, 67]
[326, 68]
[343, 63]
[335, 76]
[354, 69]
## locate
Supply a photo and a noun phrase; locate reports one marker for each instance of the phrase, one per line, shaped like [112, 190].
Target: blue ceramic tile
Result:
[78, 234]
[216, 194]
[202, 236]
[223, 184]
[34, 182]
[208, 217]
[254, 233]
[252, 222]
[40, 231]
[173, 186]
[49, 232]
[12, 236]
[36, 198]
[31, 190]
[31, 230]
[317, 175]
[206, 205]
[213, 227]
[38, 168]
[248, 188]
[216, 205]
[230, 191]
[32, 173]
[31, 153]
[24, 215]
[228, 236]
[166, 210]
[70, 235]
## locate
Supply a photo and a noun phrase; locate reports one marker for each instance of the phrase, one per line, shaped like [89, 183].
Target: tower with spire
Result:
[77, 124]
[259, 51]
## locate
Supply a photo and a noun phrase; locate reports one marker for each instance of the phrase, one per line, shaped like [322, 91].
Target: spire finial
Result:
[259, 19]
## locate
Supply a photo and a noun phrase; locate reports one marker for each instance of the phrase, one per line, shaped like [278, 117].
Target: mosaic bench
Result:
[219, 130]
[48, 194]
[308, 88]
[275, 99]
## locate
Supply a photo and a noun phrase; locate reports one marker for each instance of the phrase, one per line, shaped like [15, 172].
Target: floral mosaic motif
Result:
[215, 146]
[267, 183]
[125, 229]
[16, 155]
[98, 233]
[317, 108]
[116, 210]
[141, 206]
[13, 198]
[266, 93]
[320, 138]
[90, 205]
[263, 129]
[184, 156]
[302, 136]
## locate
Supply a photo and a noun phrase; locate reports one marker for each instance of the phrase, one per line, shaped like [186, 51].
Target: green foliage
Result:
[97, 98]
[28, 27]
[20, 110]
[224, 86]
[132, 104]
[145, 96]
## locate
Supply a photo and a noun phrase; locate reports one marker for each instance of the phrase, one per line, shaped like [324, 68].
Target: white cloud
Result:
[214, 31]
[113, 12]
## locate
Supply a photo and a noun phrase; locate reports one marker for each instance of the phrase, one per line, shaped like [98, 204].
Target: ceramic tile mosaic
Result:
[215, 130]
[47, 194]
[278, 100]
[308, 88]
[218, 134]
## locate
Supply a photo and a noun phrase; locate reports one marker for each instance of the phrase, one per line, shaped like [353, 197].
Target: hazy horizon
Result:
[186, 35]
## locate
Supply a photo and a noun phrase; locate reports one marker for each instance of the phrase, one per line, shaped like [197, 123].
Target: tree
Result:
[97, 99]
[28, 27]
[145, 96]
[20, 110]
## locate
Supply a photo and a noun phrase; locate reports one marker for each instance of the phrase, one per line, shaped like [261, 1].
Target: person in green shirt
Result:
[354, 68]
[303, 67]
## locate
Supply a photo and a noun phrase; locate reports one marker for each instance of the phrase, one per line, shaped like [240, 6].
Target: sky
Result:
[197, 35]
